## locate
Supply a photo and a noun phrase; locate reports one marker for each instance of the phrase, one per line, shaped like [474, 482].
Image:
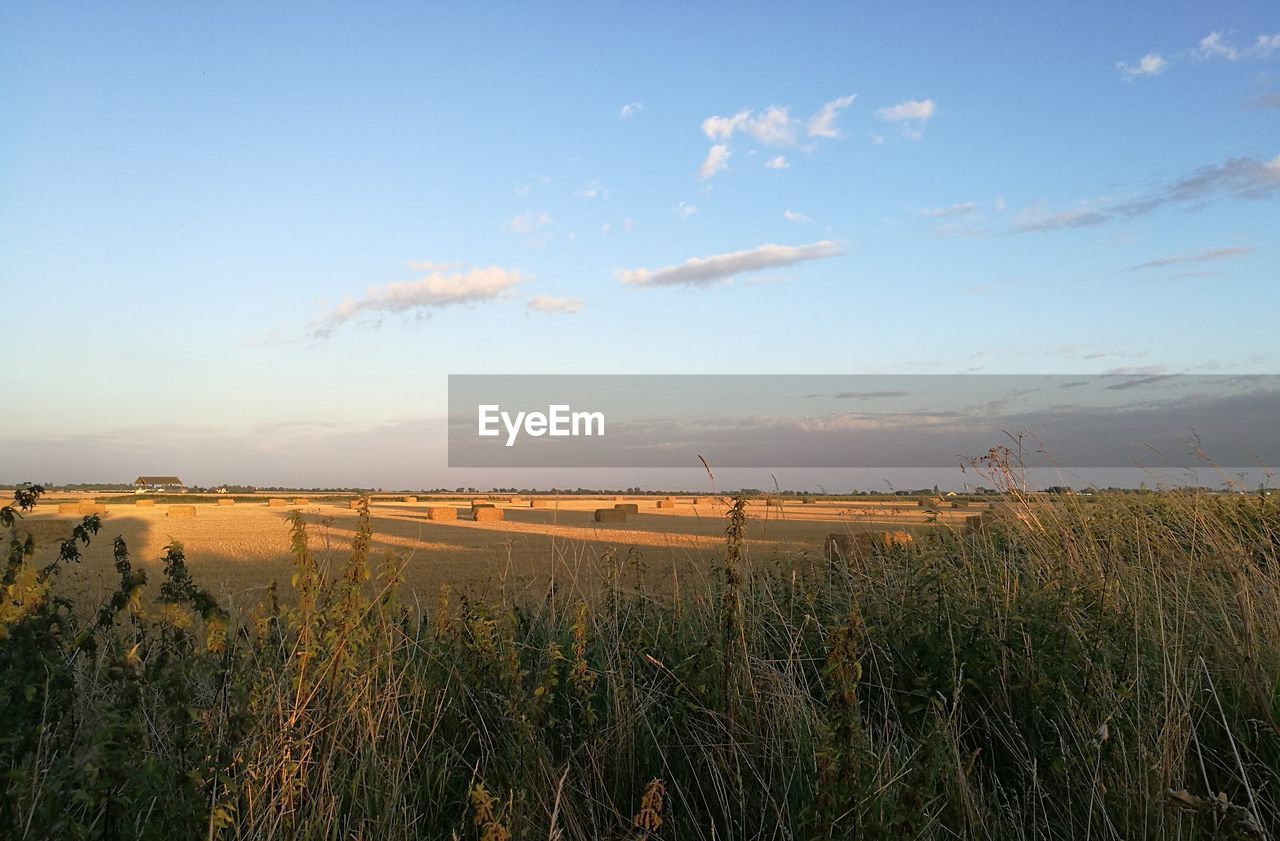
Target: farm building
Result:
[158, 483]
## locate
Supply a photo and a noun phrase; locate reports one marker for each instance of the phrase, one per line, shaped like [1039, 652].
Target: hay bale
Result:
[772, 502]
[226, 503]
[841, 545]
[610, 515]
[807, 500]
[627, 508]
[542, 503]
[68, 508]
[410, 499]
[442, 512]
[181, 512]
[86, 508]
[276, 503]
[666, 503]
[486, 515]
[145, 503]
[301, 500]
[513, 500]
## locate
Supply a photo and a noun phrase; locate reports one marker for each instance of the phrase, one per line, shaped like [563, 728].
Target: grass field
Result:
[1072, 669]
[237, 551]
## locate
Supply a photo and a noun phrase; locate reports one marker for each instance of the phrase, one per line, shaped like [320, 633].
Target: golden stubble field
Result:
[236, 551]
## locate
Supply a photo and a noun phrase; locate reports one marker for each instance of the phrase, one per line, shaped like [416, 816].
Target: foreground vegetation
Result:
[1073, 670]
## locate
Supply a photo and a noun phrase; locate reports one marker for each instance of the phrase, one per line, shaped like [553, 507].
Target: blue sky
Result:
[246, 241]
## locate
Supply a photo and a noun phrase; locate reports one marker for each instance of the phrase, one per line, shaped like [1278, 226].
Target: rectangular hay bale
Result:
[226, 503]
[666, 503]
[88, 508]
[145, 503]
[610, 515]
[276, 503]
[628, 507]
[442, 512]
[486, 515]
[68, 508]
[181, 512]
[301, 500]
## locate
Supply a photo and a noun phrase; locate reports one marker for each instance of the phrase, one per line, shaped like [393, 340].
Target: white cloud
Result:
[964, 209]
[434, 291]
[529, 221]
[606, 228]
[1213, 46]
[685, 210]
[1151, 64]
[716, 160]
[911, 110]
[722, 128]
[1266, 45]
[772, 127]
[592, 191]
[779, 162]
[822, 124]
[559, 306]
[704, 271]
[912, 114]
[630, 110]
[793, 216]
[628, 224]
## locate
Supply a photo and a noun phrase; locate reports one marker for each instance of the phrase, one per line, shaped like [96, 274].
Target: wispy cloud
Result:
[793, 216]
[773, 127]
[684, 210]
[822, 124]
[780, 162]
[434, 291]
[716, 160]
[592, 191]
[705, 271]
[1214, 45]
[911, 114]
[630, 110]
[1200, 257]
[529, 221]
[554, 306]
[963, 209]
[1151, 64]
[1237, 178]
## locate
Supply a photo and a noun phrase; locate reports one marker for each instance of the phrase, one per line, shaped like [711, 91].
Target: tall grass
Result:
[1103, 669]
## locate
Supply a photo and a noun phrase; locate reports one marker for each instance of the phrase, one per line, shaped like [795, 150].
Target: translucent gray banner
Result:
[880, 421]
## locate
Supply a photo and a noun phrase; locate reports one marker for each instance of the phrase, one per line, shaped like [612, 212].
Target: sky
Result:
[250, 242]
